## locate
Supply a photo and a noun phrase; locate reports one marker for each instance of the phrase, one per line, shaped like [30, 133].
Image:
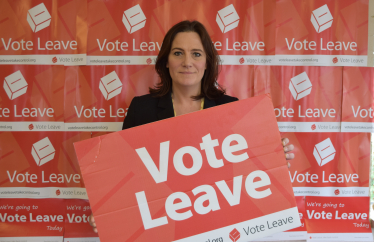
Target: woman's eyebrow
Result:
[177, 48]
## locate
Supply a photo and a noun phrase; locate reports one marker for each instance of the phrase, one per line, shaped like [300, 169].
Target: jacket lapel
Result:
[208, 103]
[165, 107]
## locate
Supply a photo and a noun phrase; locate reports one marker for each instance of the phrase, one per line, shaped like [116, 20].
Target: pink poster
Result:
[322, 33]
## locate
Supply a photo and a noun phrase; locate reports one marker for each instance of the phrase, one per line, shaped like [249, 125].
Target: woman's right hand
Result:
[91, 221]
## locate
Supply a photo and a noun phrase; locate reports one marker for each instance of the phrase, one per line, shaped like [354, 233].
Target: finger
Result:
[285, 141]
[288, 164]
[91, 219]
[290, 156]
[288, 148]
[95, 230]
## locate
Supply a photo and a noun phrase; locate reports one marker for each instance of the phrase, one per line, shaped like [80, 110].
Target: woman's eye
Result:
[178, 53]
[197, 54]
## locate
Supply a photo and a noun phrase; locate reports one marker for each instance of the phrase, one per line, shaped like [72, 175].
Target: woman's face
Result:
[187, 60]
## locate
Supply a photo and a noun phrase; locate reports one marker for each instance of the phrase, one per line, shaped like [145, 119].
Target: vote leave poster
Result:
[338, 219]
[298, 233]
[97, 97]
[322, 33]
[306, 99]
[330, 164]
[309, 55]
[40, 165]
[32, 220]
[32, 98]
[131, 33]
[239, 186]
[358, 89]
[35, 32]
[77, 228]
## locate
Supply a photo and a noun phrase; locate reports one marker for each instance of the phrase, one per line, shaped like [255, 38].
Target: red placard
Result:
[43, 32]
[358, 105]
[323, 33]
[32, 98]
[122, 189]
[77, 227]
[97, 97]
[306, 99]
[338, 219]
[330, 164]
[43, 165]
[32, 219]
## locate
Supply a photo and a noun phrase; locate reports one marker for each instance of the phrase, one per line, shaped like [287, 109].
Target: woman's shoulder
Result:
[145, 99]
[225, 99]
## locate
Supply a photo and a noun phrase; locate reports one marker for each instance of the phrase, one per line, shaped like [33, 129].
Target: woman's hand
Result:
[287, 149]
[91, 221]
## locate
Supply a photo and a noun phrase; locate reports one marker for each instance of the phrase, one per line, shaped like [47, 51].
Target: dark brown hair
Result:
[209, 85]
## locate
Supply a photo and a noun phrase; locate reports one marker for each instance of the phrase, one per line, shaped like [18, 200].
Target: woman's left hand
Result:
[287, 149]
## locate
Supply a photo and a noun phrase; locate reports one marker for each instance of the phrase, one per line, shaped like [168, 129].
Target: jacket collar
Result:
[165, 107]
[166, 110]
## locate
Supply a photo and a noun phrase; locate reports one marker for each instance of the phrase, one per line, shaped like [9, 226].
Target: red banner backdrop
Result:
[358, 90]
[43, 32]
[323, 101]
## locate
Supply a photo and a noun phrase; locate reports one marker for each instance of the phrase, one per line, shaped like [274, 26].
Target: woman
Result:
[188, 66]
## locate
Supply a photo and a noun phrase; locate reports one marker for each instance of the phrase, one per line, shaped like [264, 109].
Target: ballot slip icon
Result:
[43, 151]
[324, 152]
[321, 18]
[134, 19]
[227, 18]
[38, 17]
[110, 85]
[300, 86]
[15, 85]
[234, 235]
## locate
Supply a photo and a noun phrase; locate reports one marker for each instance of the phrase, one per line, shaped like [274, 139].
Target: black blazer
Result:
[146, 109]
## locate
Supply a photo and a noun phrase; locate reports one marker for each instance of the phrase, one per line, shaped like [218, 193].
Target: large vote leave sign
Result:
[196, 177]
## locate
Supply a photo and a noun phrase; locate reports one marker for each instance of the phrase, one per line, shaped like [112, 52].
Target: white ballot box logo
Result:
[38, 17]
[15, 85]
[43, 151]
[324, 152]
[227, 18]
[321, 18]
[300, 86]
[110, 85]
[134, 19]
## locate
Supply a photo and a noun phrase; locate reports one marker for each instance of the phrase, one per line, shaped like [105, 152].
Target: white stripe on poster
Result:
[32, 239]
[247, 229]
[340, 237]
[321, 60]
[43, 192]
[363, 127]
[85, 239]
[317, 127]
[32, 126]
[94, 126]
[297, 235]
[52, 59]
[331, 191]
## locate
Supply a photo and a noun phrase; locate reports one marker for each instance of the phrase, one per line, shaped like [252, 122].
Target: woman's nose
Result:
[187, 61]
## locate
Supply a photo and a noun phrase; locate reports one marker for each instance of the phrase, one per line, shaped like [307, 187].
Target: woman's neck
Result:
[182, 101]
[183, 95]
